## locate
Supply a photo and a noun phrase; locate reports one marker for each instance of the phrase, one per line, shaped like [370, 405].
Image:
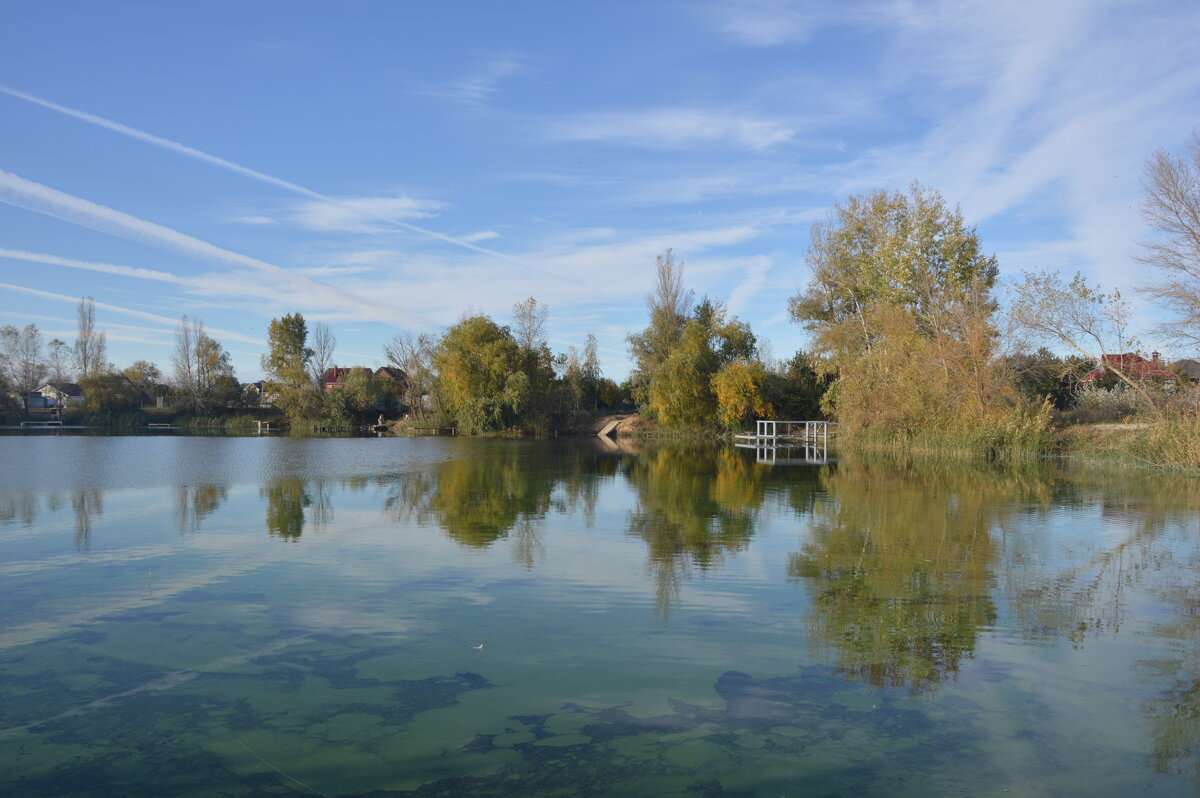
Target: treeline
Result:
[478, 376]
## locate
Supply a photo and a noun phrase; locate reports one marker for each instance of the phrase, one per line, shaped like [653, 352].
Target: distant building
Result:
[258, 393]
[1132, 365]
[58, 394]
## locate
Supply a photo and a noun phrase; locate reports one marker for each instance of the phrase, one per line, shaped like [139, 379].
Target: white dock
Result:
[778, 432]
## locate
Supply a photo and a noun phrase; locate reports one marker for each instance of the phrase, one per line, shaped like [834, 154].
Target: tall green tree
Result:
[480, 369]
[900, 308]
[286, 365]
[681, 392]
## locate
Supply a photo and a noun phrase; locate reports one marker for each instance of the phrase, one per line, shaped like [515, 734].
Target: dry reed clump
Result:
[1173, 441]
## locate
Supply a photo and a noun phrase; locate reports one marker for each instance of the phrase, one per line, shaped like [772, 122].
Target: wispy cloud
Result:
[763, 23]
[673, 128]
[482, 235]
[479, 85]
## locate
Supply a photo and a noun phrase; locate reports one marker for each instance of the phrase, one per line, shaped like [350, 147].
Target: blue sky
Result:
[385, 166]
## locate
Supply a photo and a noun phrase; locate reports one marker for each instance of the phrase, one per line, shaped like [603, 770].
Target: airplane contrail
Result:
[254, 174]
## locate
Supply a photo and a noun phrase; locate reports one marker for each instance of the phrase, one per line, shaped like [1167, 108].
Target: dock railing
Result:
[770, 430]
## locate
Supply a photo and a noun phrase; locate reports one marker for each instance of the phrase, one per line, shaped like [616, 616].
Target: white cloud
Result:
[673, 128]
[763, 23]
[482, 235]
[479, 85]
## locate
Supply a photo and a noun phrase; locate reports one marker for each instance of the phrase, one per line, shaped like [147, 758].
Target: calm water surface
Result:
[437, 617]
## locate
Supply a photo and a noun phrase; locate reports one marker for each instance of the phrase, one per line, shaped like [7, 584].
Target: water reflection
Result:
[195, 503]
[898, 565]
[694, 505]
[286, 500]
[500, 492]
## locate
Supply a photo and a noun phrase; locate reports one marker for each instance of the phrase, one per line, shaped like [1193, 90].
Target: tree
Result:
[59, 362]
[415, 357]
[91, 347]
[360, 395]
[1081, 317]
[741, 391]
[203, 368]
[529, 324]
[287, 361]
[909, 251]
[323, 344]
[591, 371]
[479, 367]
[21, 358]
[900, 308]
[681, 392]
[669, 305]
[143, 374]
[110, 392]
[1172, 209]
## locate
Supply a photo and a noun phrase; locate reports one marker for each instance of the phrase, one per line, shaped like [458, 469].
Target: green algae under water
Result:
[445, 617]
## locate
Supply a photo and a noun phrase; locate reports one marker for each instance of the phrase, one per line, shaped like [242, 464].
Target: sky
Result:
[388, 167]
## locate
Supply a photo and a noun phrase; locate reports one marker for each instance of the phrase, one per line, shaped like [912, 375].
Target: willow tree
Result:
[900, 308]
[682, 392]
[479, 367]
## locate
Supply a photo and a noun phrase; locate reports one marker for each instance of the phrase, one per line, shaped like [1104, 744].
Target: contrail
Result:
[141, 314]
[254, 174]
[16, 190]
[103, 268]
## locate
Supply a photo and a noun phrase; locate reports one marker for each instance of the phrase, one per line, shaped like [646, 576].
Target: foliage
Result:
[795, 389]
[110, 393]
[361, 395]
[669, 304]
[1043, 376]
[204, 373]
[900, 308]
[740, 389]
[480, 370]
[681, 391]
[287, 362]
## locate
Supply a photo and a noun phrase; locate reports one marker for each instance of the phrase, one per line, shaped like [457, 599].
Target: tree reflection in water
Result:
[286, 502]
[195, 503]
[898, 562]
[501, 491]
[695, 504]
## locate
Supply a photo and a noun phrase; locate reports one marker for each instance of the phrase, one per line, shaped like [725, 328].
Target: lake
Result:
[232, 616]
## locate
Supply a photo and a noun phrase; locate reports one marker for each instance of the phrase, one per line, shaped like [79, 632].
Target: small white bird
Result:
[478, 647]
